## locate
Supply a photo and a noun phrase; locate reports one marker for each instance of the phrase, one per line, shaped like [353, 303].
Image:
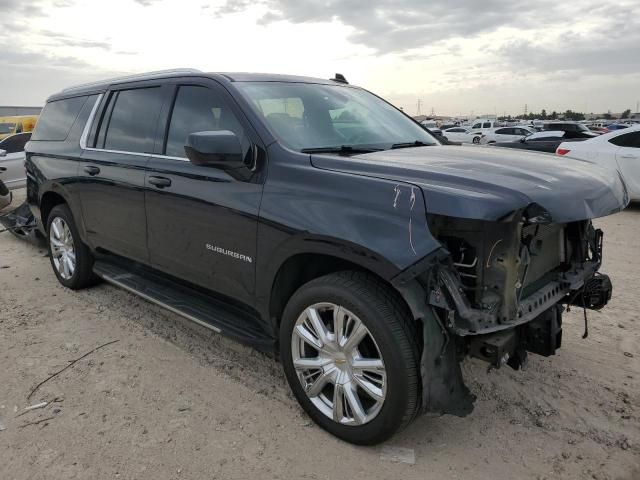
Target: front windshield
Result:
[7, 128]
[309, 116]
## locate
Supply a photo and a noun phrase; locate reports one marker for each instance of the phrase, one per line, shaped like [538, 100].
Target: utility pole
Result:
[526, 108]
[419, 105]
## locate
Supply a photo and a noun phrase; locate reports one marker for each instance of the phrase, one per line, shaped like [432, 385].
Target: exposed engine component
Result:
[595, 294]
[502, 287]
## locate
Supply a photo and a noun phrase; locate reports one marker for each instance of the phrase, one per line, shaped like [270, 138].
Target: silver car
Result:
[12, 171]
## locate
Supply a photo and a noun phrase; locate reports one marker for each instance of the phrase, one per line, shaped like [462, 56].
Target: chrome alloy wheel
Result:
[63, 251]
[339, 364]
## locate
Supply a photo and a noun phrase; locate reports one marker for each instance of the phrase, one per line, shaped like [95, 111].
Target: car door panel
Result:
[112, 173]
[112, 198]
[12, 172]
[202, 227]
[202, 221]
[628, 159]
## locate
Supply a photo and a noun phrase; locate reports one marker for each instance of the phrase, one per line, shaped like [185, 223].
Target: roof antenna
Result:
[339, 78]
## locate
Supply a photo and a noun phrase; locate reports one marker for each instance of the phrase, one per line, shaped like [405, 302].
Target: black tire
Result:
[83, 275]
[393, 330]
[476, 140]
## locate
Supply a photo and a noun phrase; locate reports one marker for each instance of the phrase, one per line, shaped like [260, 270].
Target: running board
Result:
[187, 302]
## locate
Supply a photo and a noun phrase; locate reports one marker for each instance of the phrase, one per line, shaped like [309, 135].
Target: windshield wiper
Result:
[417, 143]
[340, 149]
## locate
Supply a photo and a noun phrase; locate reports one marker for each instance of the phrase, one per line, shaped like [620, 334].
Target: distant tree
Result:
[626, 113]
[543, 114]
[554, 115]
[607, 116]
[571, 115]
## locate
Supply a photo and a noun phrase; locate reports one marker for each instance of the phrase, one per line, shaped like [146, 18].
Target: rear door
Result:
[113, 169]
[503, 135]
[202, 221]
[628, 159]
[12, 171]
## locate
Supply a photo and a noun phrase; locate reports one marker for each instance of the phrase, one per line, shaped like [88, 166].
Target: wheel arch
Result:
[301, 268]
[49, 200]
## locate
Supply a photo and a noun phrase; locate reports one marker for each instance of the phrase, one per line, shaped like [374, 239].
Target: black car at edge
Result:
[312, 219]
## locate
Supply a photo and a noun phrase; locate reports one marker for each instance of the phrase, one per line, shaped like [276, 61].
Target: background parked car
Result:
[619, 150]
[17, 124]
[458, 134]
[505, 134]
[12, 156]
[571, 129]
[480, 127]
[540, 142]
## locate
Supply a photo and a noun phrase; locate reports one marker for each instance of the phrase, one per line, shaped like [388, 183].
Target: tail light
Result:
[562, 151]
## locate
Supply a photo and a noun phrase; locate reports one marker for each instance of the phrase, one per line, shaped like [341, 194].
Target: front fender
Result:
[375, 223]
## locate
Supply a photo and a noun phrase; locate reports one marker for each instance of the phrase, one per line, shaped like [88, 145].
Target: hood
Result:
[488, 183]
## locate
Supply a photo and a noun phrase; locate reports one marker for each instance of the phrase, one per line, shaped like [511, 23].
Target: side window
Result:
[504, 131]
[15, 143]
[486, 125]
[132, 124]
[627, 140]
[199, 109]
[477, 125]
[57, 118]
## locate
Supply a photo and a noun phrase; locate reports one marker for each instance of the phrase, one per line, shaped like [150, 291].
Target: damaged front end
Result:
[497, 290]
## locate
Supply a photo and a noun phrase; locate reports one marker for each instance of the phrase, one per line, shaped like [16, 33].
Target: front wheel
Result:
[476, 140]
[350, 355]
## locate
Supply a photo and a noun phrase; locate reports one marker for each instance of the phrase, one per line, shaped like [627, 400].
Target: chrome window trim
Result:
[169, 157]
[87, 126]
[139, 154]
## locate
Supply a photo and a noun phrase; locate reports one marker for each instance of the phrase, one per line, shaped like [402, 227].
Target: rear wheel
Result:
[71, 259]
[476, 140]
[350, 356]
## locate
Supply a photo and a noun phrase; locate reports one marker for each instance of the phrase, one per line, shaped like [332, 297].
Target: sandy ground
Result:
[170, 400]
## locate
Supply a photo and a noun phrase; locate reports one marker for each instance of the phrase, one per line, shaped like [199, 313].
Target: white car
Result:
[505, 134]
[458, 134]
[480, 127]
[12, 157]
[619, 150]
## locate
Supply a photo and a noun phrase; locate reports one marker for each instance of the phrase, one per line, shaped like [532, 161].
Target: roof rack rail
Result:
[133, 77]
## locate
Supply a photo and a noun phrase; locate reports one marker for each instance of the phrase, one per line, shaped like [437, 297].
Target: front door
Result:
[202, 221]
[628, 158]
[113, 171]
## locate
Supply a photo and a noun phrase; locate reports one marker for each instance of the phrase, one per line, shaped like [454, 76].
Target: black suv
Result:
[312, 219]
[571, 129]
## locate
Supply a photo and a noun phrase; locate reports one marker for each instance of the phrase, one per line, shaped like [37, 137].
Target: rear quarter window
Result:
[57, 118]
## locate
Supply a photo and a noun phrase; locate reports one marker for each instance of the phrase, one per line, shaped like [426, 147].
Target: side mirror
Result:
[220, 149]
[3, 153]
[523, 139]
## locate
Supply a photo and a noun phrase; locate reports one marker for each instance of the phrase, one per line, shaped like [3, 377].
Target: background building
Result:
[10, 111]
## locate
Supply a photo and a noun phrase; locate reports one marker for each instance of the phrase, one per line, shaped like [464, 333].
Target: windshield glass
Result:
[7, 128]
[308, 116]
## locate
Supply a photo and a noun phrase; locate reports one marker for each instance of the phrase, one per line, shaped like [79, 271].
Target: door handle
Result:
[628, 156]
[92, 170]
[160, 182]
[3, 169]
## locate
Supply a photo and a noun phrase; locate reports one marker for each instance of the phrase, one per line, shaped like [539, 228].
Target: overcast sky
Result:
[456, 56]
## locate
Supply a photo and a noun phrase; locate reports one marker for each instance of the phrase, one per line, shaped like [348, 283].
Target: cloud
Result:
[60, 39]
[17, 58]
[610, 49]
[389, 26]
